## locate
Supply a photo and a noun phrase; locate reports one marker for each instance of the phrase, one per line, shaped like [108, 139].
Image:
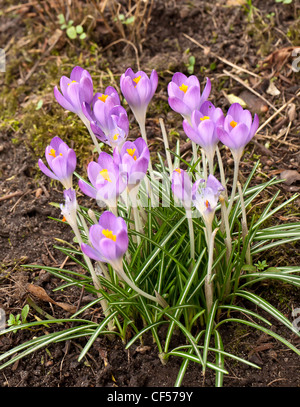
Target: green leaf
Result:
[61, 18]
[82, 36]
[71, 33]
[24, 313]
[79, 29]
[39, 104]
[129, 20]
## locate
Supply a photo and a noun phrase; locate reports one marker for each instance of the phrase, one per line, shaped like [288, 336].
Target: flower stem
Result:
[94, 138]
[209, 288]
[235, 179]
[191, 232]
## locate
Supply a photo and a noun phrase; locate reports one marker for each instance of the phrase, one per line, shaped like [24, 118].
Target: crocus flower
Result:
[133, 160]
[75, 90]
[182, 187]
[238, 129]
[205, 197]
[138, 90]
[109, 240]
[202, 129]
[62, 161]
[108, 119]
[69, 210]
[185, 95]
[106, 179]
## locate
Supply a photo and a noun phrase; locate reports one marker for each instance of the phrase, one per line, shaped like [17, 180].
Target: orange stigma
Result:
[103, 98]
[178, 170]
[104, 173]
[233, 123]
[131, 152]
[183, 87]
[109, 234]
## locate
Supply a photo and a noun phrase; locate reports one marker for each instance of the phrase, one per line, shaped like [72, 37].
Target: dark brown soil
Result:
[27, 235]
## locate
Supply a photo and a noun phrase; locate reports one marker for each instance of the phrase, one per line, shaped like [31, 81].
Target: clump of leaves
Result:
[71, 30]
[19, 319]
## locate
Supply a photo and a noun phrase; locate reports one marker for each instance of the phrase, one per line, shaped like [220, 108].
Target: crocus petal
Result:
[87, 189]
[63, 101]
[109, 249]
[122, 242]
[179, 106]
[254, 126]
[206, 91]
[91, 252]
[46, 170]
[192, 98]
[235, 111]
[107, 220]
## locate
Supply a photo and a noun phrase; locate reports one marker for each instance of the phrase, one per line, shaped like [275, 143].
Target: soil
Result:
[27, 234]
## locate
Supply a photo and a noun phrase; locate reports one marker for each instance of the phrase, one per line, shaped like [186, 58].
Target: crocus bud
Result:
[238, 129]
[182, 187]
[185, 95]
[69, 210]
[205, 197]
[109, 239]
[62, 161]
[75, 90]
[138, 90]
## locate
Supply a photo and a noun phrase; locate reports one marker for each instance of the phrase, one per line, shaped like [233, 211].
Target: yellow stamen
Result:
[52, 152]
[103, 98]
[116, 136]
[204, 118]
[64, 219]
[233, 123]
[178, 170]
[207, 203]
[183, 87]
[136, 80]
[131, 151]
[109, 234]
[71, 82]
[104, 173]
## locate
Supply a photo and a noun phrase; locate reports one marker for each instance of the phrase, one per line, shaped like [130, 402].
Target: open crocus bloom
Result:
[205, 197]
[138, 90]
[185, 95]
[202, 128]
[238, 129]
[182, 187]
[62, 161]
[75, 90]
[106, 179]
[133, 160]
[109, 240]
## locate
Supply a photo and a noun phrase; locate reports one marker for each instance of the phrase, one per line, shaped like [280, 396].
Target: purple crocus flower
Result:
[182, 187]
[108, 119]
[202, 128]
[75, 90]
[62, 161]
[205, 197]
[184, 94]
[69, 210]
[109, 239]
[133, 160]
[138, 89]
[106, 179]
[238, 129]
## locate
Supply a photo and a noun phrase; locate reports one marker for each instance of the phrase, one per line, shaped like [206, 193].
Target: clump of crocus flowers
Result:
[119, 172]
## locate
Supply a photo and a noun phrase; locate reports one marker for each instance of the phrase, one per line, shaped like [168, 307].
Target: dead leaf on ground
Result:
[41, 294]
[290, 176]
[279, 57]
[254, 103]
[272, 90]
[292, 112]
[234, 3]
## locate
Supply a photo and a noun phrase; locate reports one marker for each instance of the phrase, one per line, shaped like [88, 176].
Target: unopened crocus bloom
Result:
[133, 160]
[182, 187]
[69, 209]
[138, 90]
[238, 129]
[61, 160]
[185, 94]
[106, 179]
[109, 240]
[202, 129]
[75, 90]
[205, 198]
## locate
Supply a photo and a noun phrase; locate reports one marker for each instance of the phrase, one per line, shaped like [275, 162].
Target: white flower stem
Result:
[225, 222]
[209, 288]
[120, 271]
[191, 232]
[222, 173]
[94, 138]
[235, 180]
[166, 143]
